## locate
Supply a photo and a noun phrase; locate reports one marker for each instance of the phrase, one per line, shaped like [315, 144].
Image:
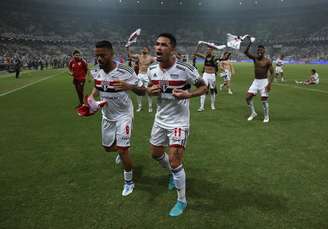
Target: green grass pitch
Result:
[55, 174]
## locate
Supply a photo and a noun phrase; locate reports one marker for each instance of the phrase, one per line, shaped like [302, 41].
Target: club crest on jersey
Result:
[105, 84]
[164, 84]
[155, 75]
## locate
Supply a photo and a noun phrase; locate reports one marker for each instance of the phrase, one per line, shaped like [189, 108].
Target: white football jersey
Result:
[171, 112]
[315, 78]
[119, 104]
[279, 62]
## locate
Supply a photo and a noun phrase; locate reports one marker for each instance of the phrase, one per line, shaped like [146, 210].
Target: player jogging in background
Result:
[279, 70]
[261, 83]
[144, 60]
[78, 68]
[227, 72]
[313, 80]
[170, 80]
[209, 75]
[112, 81]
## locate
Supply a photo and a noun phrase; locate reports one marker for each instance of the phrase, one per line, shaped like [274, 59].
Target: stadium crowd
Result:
[40, 40]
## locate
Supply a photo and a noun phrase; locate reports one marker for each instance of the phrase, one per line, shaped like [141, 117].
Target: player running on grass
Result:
[261, 83]
[170, 80]
[112, 82]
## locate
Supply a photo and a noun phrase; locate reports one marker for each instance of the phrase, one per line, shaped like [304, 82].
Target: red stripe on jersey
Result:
[99, 83]
[171, 82]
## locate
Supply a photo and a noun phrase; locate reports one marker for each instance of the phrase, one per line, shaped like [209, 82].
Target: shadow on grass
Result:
[206, 196]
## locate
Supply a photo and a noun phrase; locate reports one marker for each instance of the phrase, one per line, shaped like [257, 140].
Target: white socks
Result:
[179, 177]
[128, 177]
[163, 161]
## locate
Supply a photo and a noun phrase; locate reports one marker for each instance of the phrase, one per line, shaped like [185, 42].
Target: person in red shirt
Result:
[78, 68]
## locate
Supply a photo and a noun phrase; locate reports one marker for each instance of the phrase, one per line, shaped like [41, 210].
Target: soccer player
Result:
[144, 60]
[170, 80]
[210, 69]
[313, 80]
[261, 83]
[112, 81]
[279, 70]
[227, 71]
[78, 68]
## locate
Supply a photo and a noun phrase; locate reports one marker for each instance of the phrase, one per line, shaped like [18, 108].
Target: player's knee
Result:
[156, 151]
[109, 148]
[264, 98]
[122, 150]
[248, 98]
[174, 162]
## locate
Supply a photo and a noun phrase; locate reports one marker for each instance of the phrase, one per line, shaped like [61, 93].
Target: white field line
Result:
[302, 88]
[29, 84]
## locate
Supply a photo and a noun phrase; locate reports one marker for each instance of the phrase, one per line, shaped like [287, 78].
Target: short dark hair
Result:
[260, 47]
[104, 44]
[76, 52]
[170, 36]
[313, 70]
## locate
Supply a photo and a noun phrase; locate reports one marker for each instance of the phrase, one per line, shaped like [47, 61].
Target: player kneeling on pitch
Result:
[112, 81]
[170, 81]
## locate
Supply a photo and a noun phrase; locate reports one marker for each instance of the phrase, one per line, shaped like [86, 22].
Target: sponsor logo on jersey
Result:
[174, 76]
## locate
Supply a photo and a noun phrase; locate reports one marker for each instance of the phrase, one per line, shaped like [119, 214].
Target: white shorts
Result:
[118, 132]
[168, 137]
[226, 75]
[209, 80]
[143, 80]
[259, 85]
[279, 70]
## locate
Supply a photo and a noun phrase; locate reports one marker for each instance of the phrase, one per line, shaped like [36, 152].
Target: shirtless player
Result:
[227, 71]
[145, 60]
[261, 82]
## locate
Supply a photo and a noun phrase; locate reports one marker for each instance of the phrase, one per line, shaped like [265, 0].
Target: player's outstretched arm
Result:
[131, 55]
[247, 53]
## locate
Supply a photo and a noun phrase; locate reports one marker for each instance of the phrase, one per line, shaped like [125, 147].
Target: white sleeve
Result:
[192, 75]
[132, 79]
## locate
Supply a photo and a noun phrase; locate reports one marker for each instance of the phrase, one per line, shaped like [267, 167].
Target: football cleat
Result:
[252, 116]
[200, 109]
[128, 188]
[266, 119]
[150, 109]
[178, 209]
[139, 109]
